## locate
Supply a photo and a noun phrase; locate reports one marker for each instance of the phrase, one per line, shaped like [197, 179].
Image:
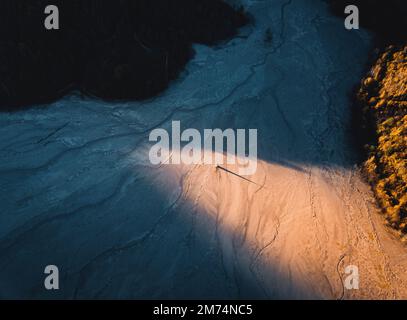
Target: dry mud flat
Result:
[78, 191]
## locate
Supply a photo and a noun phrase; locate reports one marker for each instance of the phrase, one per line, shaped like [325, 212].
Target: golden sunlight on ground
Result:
[293, 231]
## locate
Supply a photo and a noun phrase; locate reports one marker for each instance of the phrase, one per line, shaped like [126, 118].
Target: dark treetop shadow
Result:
[128, 49]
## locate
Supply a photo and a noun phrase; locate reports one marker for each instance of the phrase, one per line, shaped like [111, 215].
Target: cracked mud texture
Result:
[78, 190]
[115, 50]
